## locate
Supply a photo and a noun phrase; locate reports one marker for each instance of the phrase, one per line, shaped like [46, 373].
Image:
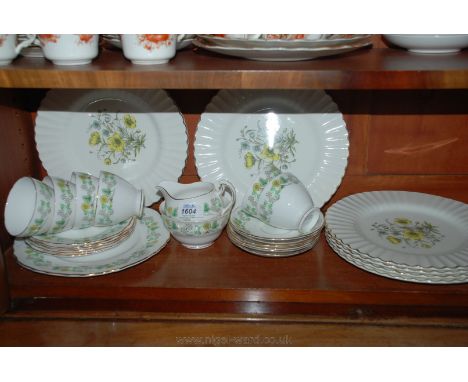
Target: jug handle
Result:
[225, 185]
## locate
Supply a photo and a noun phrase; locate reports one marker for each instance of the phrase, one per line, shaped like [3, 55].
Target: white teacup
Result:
[281, 201]
[117, 200]
[86, 187]
[64, 203]
[149, 49]
[9, 48]
[69, 49]
[29, 208]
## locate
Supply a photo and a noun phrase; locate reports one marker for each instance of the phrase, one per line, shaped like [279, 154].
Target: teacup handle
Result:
[225, 185]
[180, 37]
[309, 220]
[25, 43]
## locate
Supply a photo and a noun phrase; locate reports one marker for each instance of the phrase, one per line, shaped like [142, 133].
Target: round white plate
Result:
[137, 134]
[406, 228]
[243, 132]
[149, 237]
[394, 271]
[279, 53]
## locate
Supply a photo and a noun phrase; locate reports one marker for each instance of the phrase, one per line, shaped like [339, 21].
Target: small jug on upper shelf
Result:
[196, 200]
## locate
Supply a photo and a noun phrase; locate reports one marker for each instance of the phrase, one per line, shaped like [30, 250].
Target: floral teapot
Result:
[196, 200]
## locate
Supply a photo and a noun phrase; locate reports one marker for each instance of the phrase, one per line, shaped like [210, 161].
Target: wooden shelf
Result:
[407, 128]
[377, 68]
[225, 279]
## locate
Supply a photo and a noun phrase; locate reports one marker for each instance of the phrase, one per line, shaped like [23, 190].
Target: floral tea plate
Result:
[139, 135]
[149, 237]
[406, 228]
[243, 133]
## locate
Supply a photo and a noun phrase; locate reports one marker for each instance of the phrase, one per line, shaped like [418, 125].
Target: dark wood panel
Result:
[246, 331]
[418, 133]
[377, 68]
[18, 154]
[4, 287]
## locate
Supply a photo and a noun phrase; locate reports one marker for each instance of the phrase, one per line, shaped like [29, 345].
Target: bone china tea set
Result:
[267, 160]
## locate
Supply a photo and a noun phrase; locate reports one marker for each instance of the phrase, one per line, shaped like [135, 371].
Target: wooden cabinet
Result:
[407, 117]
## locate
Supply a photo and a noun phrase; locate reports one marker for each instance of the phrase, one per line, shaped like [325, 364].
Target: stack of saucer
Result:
[254, 236]
[83, 242]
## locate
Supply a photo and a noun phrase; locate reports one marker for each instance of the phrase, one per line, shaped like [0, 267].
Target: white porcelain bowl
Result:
[196, 233]
[429, 43]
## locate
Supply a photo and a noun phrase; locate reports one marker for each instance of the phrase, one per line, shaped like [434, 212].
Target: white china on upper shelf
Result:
[69, 49]
[429, 43]
[405, 235]
[195, 200]
[148, 238]
[280, 50]
[138, 135]
[10, 48]
[149, 49]
[245, 132]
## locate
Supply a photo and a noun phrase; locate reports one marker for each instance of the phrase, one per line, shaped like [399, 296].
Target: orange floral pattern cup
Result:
[69, 49]
[149, 49]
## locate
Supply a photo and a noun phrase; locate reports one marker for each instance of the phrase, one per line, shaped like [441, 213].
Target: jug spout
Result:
[168, 189]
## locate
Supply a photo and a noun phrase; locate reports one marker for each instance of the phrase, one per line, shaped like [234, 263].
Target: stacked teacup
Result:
[277, 217]
[47, 213]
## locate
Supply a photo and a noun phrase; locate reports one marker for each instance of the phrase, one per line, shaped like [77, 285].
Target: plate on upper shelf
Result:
[245, 132]
[280, 50]
[139, 135]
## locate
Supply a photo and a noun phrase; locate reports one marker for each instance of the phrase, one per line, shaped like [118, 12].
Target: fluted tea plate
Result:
[406, 228]
[245, 132]
[149, 237]
[394, 271]
[139, 135]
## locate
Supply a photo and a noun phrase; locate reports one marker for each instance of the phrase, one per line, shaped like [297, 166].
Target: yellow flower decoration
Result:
[85, 207]
[413, 235]
[129, 121]
[249, 160]
[276, 183]
[402, 221]
[104, 199]
[94, 139]
[269, 154]
[257, 187]
[206, 226]
[107, 161]
[116, 143]
[393, 240]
